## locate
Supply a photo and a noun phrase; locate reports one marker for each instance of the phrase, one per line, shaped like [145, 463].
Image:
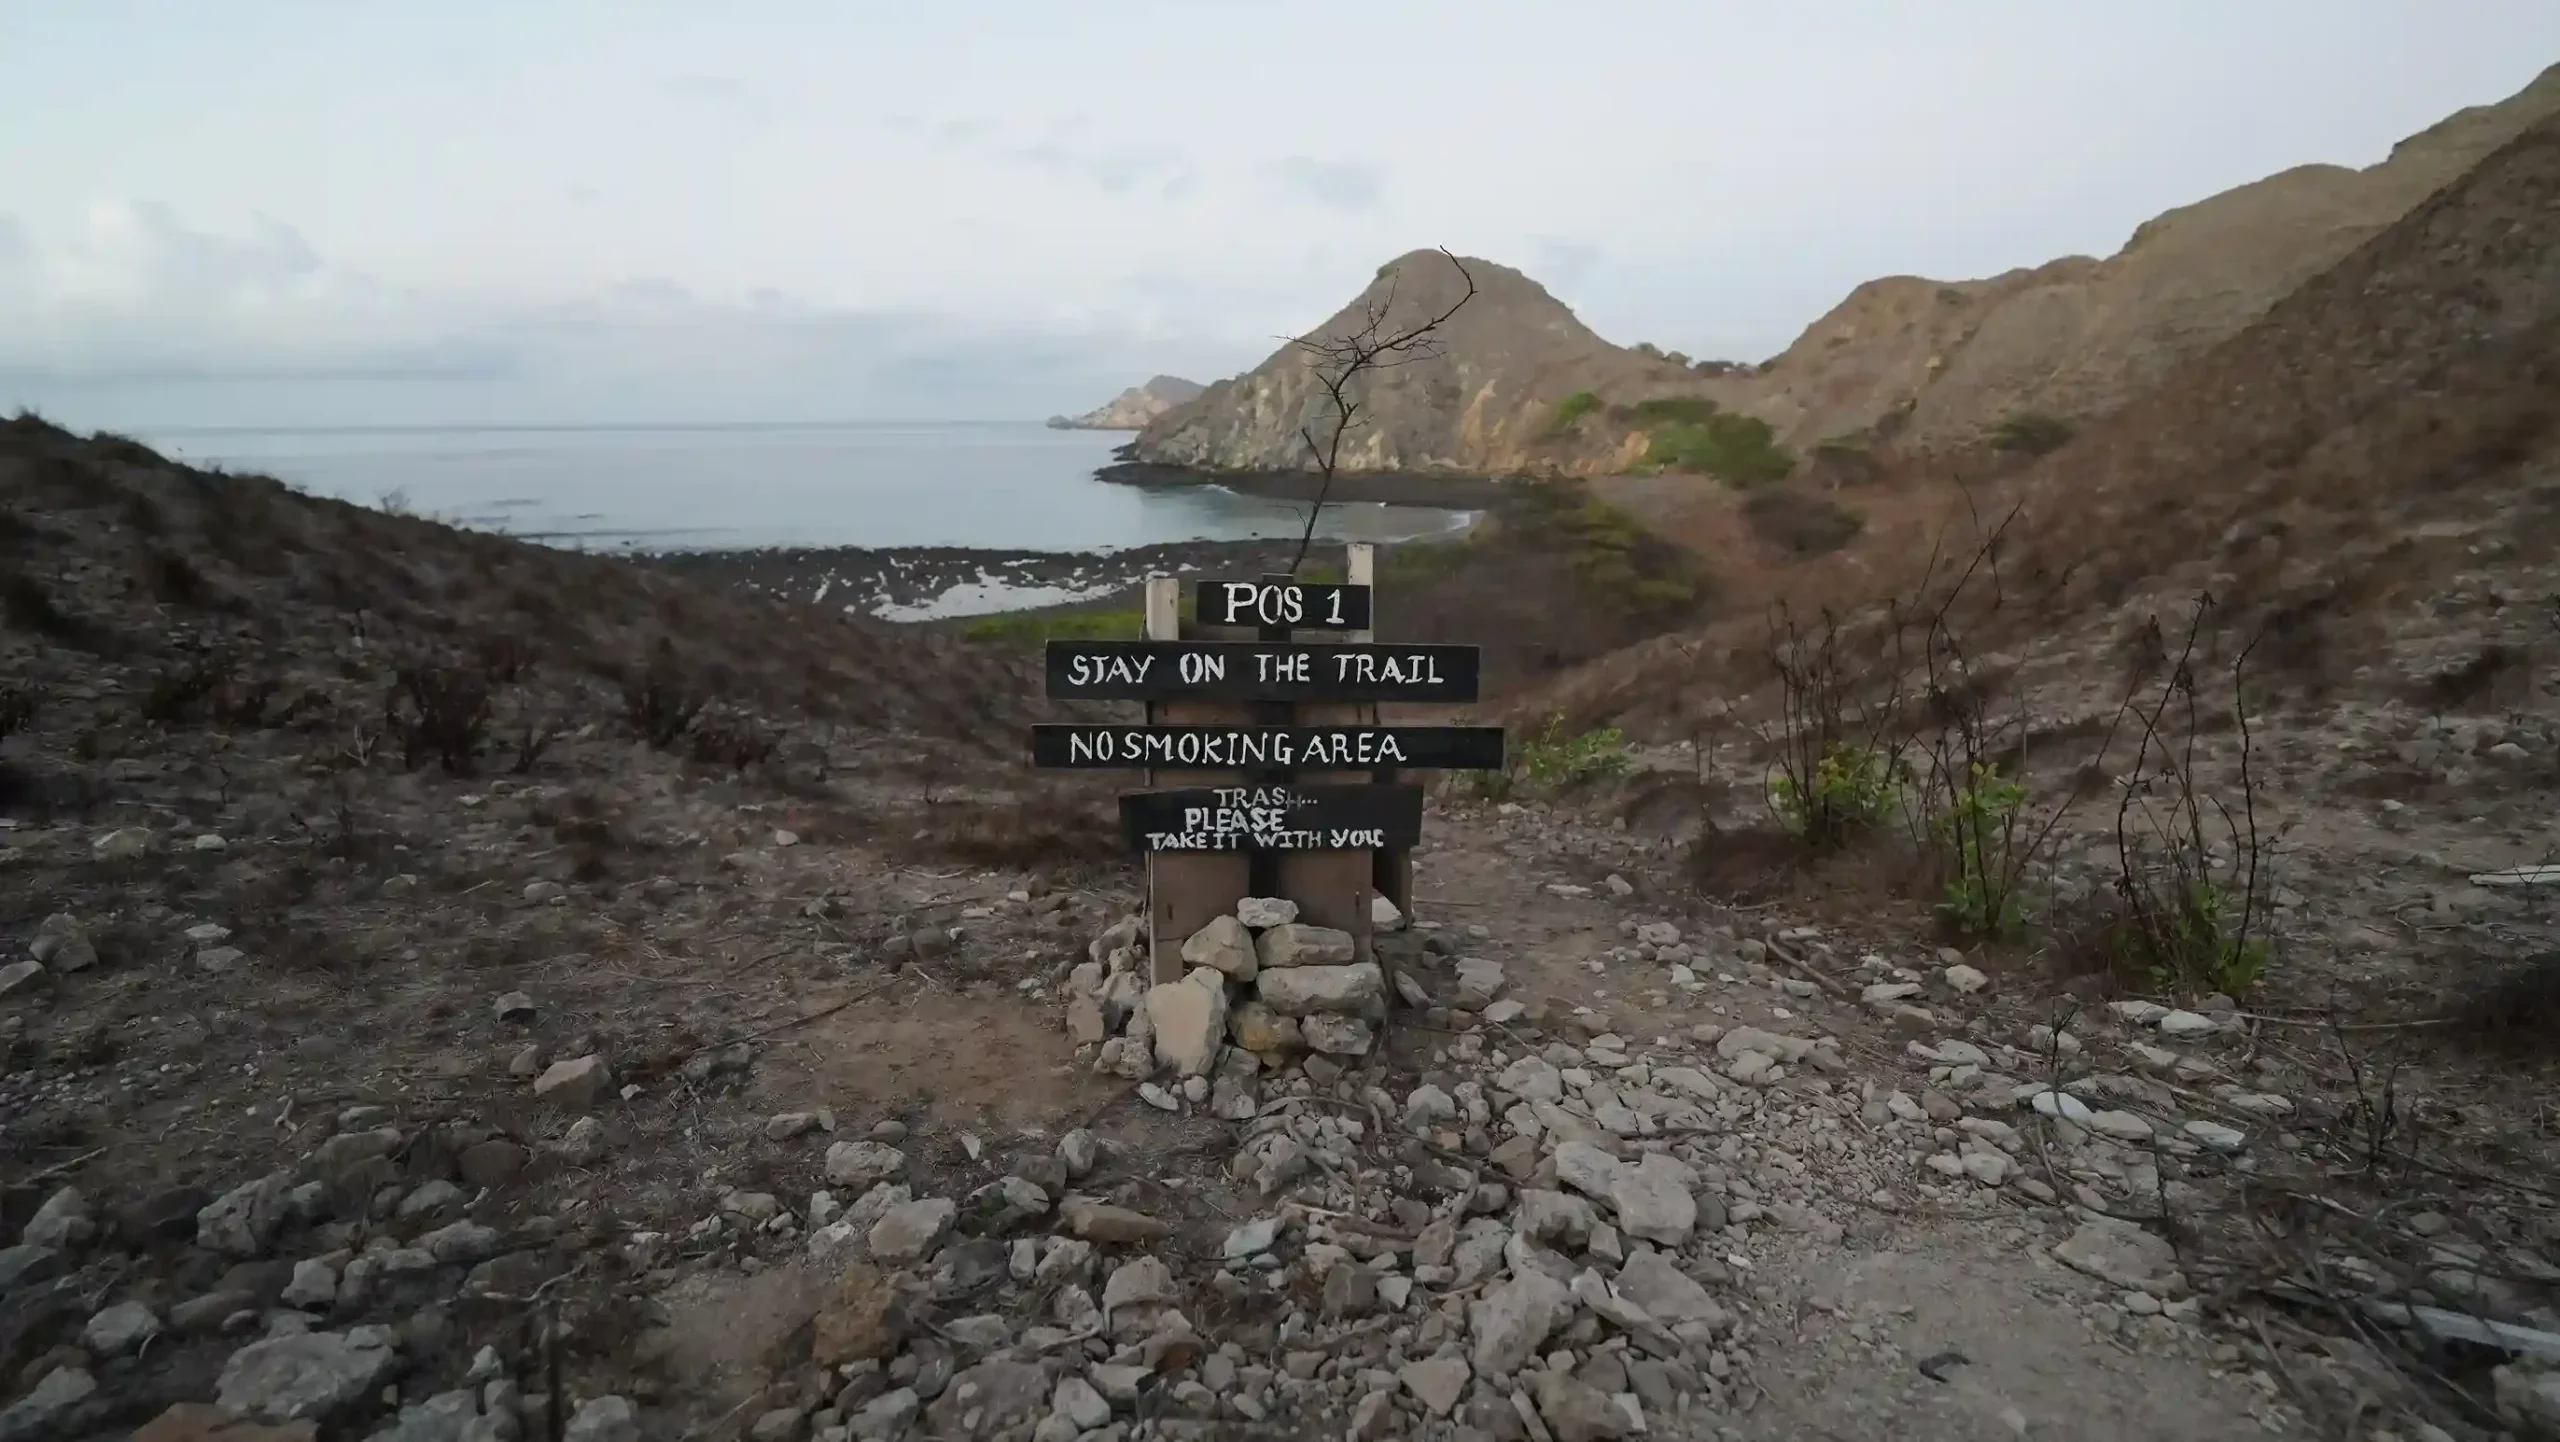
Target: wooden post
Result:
[1332, 888]
[1391, 871]
[1186, 890]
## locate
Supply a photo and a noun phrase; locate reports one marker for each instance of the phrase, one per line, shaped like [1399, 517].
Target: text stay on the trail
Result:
[1299, 605]
[1259, 671]
[1272, 818]
[1313, 748]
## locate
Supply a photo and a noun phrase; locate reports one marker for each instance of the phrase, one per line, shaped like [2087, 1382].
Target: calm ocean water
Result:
[999, 486]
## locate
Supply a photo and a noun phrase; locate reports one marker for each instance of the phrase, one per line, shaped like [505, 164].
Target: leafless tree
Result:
[1340, 360]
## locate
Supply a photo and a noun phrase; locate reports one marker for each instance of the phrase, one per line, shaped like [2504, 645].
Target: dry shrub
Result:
[2513, 1009]
[1031, 833]
[1801, 525]
[660, 699]
[439, 713]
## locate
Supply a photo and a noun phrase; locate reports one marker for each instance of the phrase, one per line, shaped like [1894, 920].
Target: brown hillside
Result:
[1483, 402]
[2387, 428]
[2077, 337]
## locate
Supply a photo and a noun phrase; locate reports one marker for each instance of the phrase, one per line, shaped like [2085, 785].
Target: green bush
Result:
[2192, 944]
[1551, 762]
[1679, 410]
[1976, 832]
[1571, 409]
[1852, 789]
[2032, 432]
[1738, 450]
[1023, 627]
[1622, 566]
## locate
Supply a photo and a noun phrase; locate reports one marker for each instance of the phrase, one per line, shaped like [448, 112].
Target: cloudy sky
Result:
[575, 211]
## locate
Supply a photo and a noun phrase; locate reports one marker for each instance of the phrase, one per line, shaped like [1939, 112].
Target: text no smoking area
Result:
[1315, 748]
[1272, 818]
[1259, 671]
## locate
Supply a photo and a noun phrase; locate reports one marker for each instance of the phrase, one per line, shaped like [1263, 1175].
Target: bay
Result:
[990, 485]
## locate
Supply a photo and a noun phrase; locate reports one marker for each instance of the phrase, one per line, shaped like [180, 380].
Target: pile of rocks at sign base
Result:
[1263, 988]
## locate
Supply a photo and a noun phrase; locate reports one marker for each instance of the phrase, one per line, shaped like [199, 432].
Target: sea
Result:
[997, 486]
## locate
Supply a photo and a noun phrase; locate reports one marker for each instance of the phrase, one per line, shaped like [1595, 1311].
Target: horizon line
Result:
[560, 426]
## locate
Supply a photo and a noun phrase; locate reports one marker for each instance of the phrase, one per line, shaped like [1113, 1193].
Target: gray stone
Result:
[63, 1222]
[863, 1165]
[1668, 1295]
[2118, 1252]
[314, 1286]
[1302, 991]
[444, 1417]
[1223, 945]
[1078, 1402]
[1264, 912]
[1439, 1383]
[1298, 944]
[21, 978]
[311, 1377]
[462, 1243]
[1511, 1321]
[119, 1329]
[1587, 1169]
[243, 1222]
[1575, 1411]
[886, 1417]
[1189, 1020]
[575, 1084]
[48, 1409]
[1479, 982]
[909, 1233]
[603, 1419]
[1333, 1035]
[1654, 1201]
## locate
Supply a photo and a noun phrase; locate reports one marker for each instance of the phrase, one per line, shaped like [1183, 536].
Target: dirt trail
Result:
[1907, 1286]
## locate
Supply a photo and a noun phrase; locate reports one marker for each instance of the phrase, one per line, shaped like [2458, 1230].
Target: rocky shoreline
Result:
[1392, 488]
[907, 582]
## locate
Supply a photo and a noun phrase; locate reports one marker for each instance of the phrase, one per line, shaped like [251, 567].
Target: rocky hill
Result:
[1522, 385]
[1942, 364]
[1133, 408]
[1482, 401]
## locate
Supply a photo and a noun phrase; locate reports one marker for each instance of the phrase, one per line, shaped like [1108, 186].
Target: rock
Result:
[863, 1165]
[1078, 1401]
[866, 1320]
[1086, 1025]
[886, 1417]
[1189, 1018]
[1479, 982]
[1336, 1035]
[1000, 1394]
[1224, 945]
[314, 1287]
[1250, 1239]
[1587, 1169]
[1654, 1199]
[62, 1222]
[1350, 1293]
[1439, 1383]
[574, 1085]
[314, 1376]
[780, 1424]
[603, 1419]
[119, 1329]
[460, 1244]
[1384, 915]
[2123, 1126]
[243, 1222]
[1095, 1221]
[1965, 980]
[2186, 1024]
[122, 844]
[2214, 1136]
[219, 960]
[1556, 1218]
[1511, 1321]
[1307, 990]
[515, 1007]
[2119, 1253]
[583, 1144]
[1264, 912]
[1004, 1204]
[1576, 1411]
[1668, 1295]
[1258, 1029]
[909, 1234]
[62, 945]
[1079, 1151]
[1988, 1168]
[22, 978]
[1298, 944]
[204, 1422]
[48, 1408]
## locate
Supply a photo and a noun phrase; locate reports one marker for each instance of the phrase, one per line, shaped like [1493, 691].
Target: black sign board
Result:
[1299, 605]
[1273, 818]
[1269, 748]
[1258, 671]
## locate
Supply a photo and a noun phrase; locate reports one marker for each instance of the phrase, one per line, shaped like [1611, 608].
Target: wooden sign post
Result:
[1268, 770]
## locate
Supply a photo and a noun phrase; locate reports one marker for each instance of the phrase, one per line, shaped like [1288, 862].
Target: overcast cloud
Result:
[310, 212]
